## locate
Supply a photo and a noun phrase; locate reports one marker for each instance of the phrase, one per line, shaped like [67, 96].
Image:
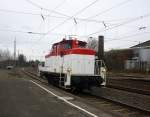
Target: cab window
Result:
[81, 44]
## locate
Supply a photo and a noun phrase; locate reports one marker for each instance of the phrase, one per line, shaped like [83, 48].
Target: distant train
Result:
[71, 65]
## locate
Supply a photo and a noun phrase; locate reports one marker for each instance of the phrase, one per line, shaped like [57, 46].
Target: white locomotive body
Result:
[71, 65]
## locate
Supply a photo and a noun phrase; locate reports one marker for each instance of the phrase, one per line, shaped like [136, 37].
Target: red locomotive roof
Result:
[66, 47]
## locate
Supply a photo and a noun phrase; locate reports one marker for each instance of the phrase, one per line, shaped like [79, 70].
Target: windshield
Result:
[81, 44]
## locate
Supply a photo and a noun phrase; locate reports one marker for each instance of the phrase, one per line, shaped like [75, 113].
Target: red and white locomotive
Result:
[71, 65]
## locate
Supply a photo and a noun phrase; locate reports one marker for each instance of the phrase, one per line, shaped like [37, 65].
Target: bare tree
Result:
[21, 60]
[92, 43]
[6, 58]
[5, 55]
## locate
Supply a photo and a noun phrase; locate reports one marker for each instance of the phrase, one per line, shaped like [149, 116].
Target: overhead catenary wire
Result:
[121, 24]
[128, 36]
[49, 10]
[67, 19]
[10, 30]
[78, 12]
[28, 32]
[117, 5]
[56, 7]
[46, 15]
[61, 17]
[59, 5]
[19, 12]
[109, 9]
[132, 32]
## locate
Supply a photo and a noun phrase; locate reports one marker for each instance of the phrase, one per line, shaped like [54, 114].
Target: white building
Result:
[141, 57]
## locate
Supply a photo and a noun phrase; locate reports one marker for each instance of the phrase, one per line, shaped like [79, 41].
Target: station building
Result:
[141, 57]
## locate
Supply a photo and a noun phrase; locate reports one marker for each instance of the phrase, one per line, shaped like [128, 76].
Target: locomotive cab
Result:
[70, 64]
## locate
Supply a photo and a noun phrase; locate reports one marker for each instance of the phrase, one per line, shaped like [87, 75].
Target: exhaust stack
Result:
[101, 47]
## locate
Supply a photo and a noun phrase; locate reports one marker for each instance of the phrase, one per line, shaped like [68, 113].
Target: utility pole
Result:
[18, 63]
[15, 52]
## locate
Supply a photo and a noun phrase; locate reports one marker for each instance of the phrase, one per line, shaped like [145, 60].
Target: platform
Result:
[21, 98]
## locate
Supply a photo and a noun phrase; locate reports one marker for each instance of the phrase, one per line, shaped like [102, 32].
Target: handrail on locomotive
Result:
[100, 69]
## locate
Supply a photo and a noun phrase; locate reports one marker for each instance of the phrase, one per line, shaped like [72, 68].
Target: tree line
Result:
[7, 59]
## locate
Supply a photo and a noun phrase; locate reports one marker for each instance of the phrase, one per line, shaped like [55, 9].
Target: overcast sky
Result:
[124, 23]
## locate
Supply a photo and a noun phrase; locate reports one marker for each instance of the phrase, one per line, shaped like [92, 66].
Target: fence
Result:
[137, 65]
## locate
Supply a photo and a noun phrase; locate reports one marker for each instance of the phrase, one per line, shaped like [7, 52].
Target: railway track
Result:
[118, 102]
[130, 76]
[140, 86]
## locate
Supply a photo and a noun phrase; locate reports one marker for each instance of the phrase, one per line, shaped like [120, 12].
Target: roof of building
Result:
[144, 44]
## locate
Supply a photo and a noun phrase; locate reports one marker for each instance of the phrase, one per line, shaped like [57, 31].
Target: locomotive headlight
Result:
[68, 69]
